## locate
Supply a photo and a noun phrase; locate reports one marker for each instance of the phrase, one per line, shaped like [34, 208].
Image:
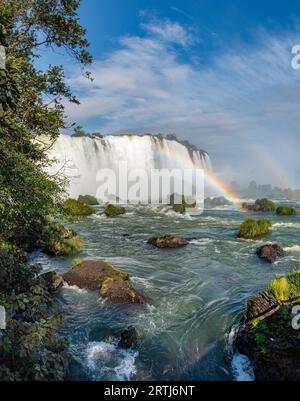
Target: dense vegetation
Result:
[260, 205]
[88, 200]
[254, 228]
[286, 211]
[31, 106]
[114, 210]
[75, 209]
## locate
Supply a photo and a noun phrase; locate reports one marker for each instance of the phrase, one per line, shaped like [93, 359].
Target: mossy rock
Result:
[260, 205]
[59, 241]
[113, 283]
[286, 211]
[272, 346]
[254, 228]
[179, 208]
[113, 210]
[88, 200]
[75, 209]
[180, 204]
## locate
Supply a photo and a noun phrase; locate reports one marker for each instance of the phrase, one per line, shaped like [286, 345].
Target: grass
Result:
[286, 211]
[254, 228]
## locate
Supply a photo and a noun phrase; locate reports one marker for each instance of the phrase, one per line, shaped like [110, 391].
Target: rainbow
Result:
[209, 177]
[227, 192]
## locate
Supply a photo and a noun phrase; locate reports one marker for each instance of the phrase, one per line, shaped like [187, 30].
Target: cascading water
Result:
[80, 158]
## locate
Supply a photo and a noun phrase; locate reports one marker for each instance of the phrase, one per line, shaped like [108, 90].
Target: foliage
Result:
[88, 200]
[261, 332]
[113, 210]
[254, 228]
[286, 211]
[29, 347]
[73, 209]
[59, 241]
[260, 205]
[31, 106]
[286, 288]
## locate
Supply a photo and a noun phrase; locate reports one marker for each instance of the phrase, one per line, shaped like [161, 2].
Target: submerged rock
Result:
[167, 241]
[52, 280]
[270, 252]
[113, 283]
[128, 338]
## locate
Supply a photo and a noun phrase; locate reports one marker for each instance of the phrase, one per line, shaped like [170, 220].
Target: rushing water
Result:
[195, 294]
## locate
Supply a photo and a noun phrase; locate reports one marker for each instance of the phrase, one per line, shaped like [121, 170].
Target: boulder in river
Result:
[167, 241]
[114, 210]
[268, 337]
[52, 280]
[270, 252]
[272, 346]
[113, 283]
[261, 304]
[128, 338]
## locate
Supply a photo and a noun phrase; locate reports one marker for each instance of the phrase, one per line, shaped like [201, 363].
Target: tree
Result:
[32, 104]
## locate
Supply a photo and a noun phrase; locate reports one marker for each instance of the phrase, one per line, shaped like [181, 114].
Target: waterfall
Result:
[80, 158]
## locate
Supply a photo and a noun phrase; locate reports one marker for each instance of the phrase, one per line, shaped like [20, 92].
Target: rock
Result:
[128, 338]
[215, 202]
[113, 283]
[113, 210]
[52, 280]
[260, 205]
[270, 253]
[88, 200]
[91, 274]
[261, 304]
[75, 209]
[117, 289]
[167, 241]
[272, 346]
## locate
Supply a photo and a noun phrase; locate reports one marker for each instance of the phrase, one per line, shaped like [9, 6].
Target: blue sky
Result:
[215, 72]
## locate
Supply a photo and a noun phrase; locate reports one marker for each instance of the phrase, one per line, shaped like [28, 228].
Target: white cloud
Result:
[247, 94]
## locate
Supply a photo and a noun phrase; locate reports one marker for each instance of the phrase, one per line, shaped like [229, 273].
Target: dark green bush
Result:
[113, 210]
[286, 211]
[74, 209]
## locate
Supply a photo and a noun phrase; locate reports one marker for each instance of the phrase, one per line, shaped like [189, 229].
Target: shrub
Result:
[88, 200]
[286, 288]
[59, 241]
[113, 210]
[254, 228]
[286, 211]
[280, 288]
[260, 205]
[73, 208]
